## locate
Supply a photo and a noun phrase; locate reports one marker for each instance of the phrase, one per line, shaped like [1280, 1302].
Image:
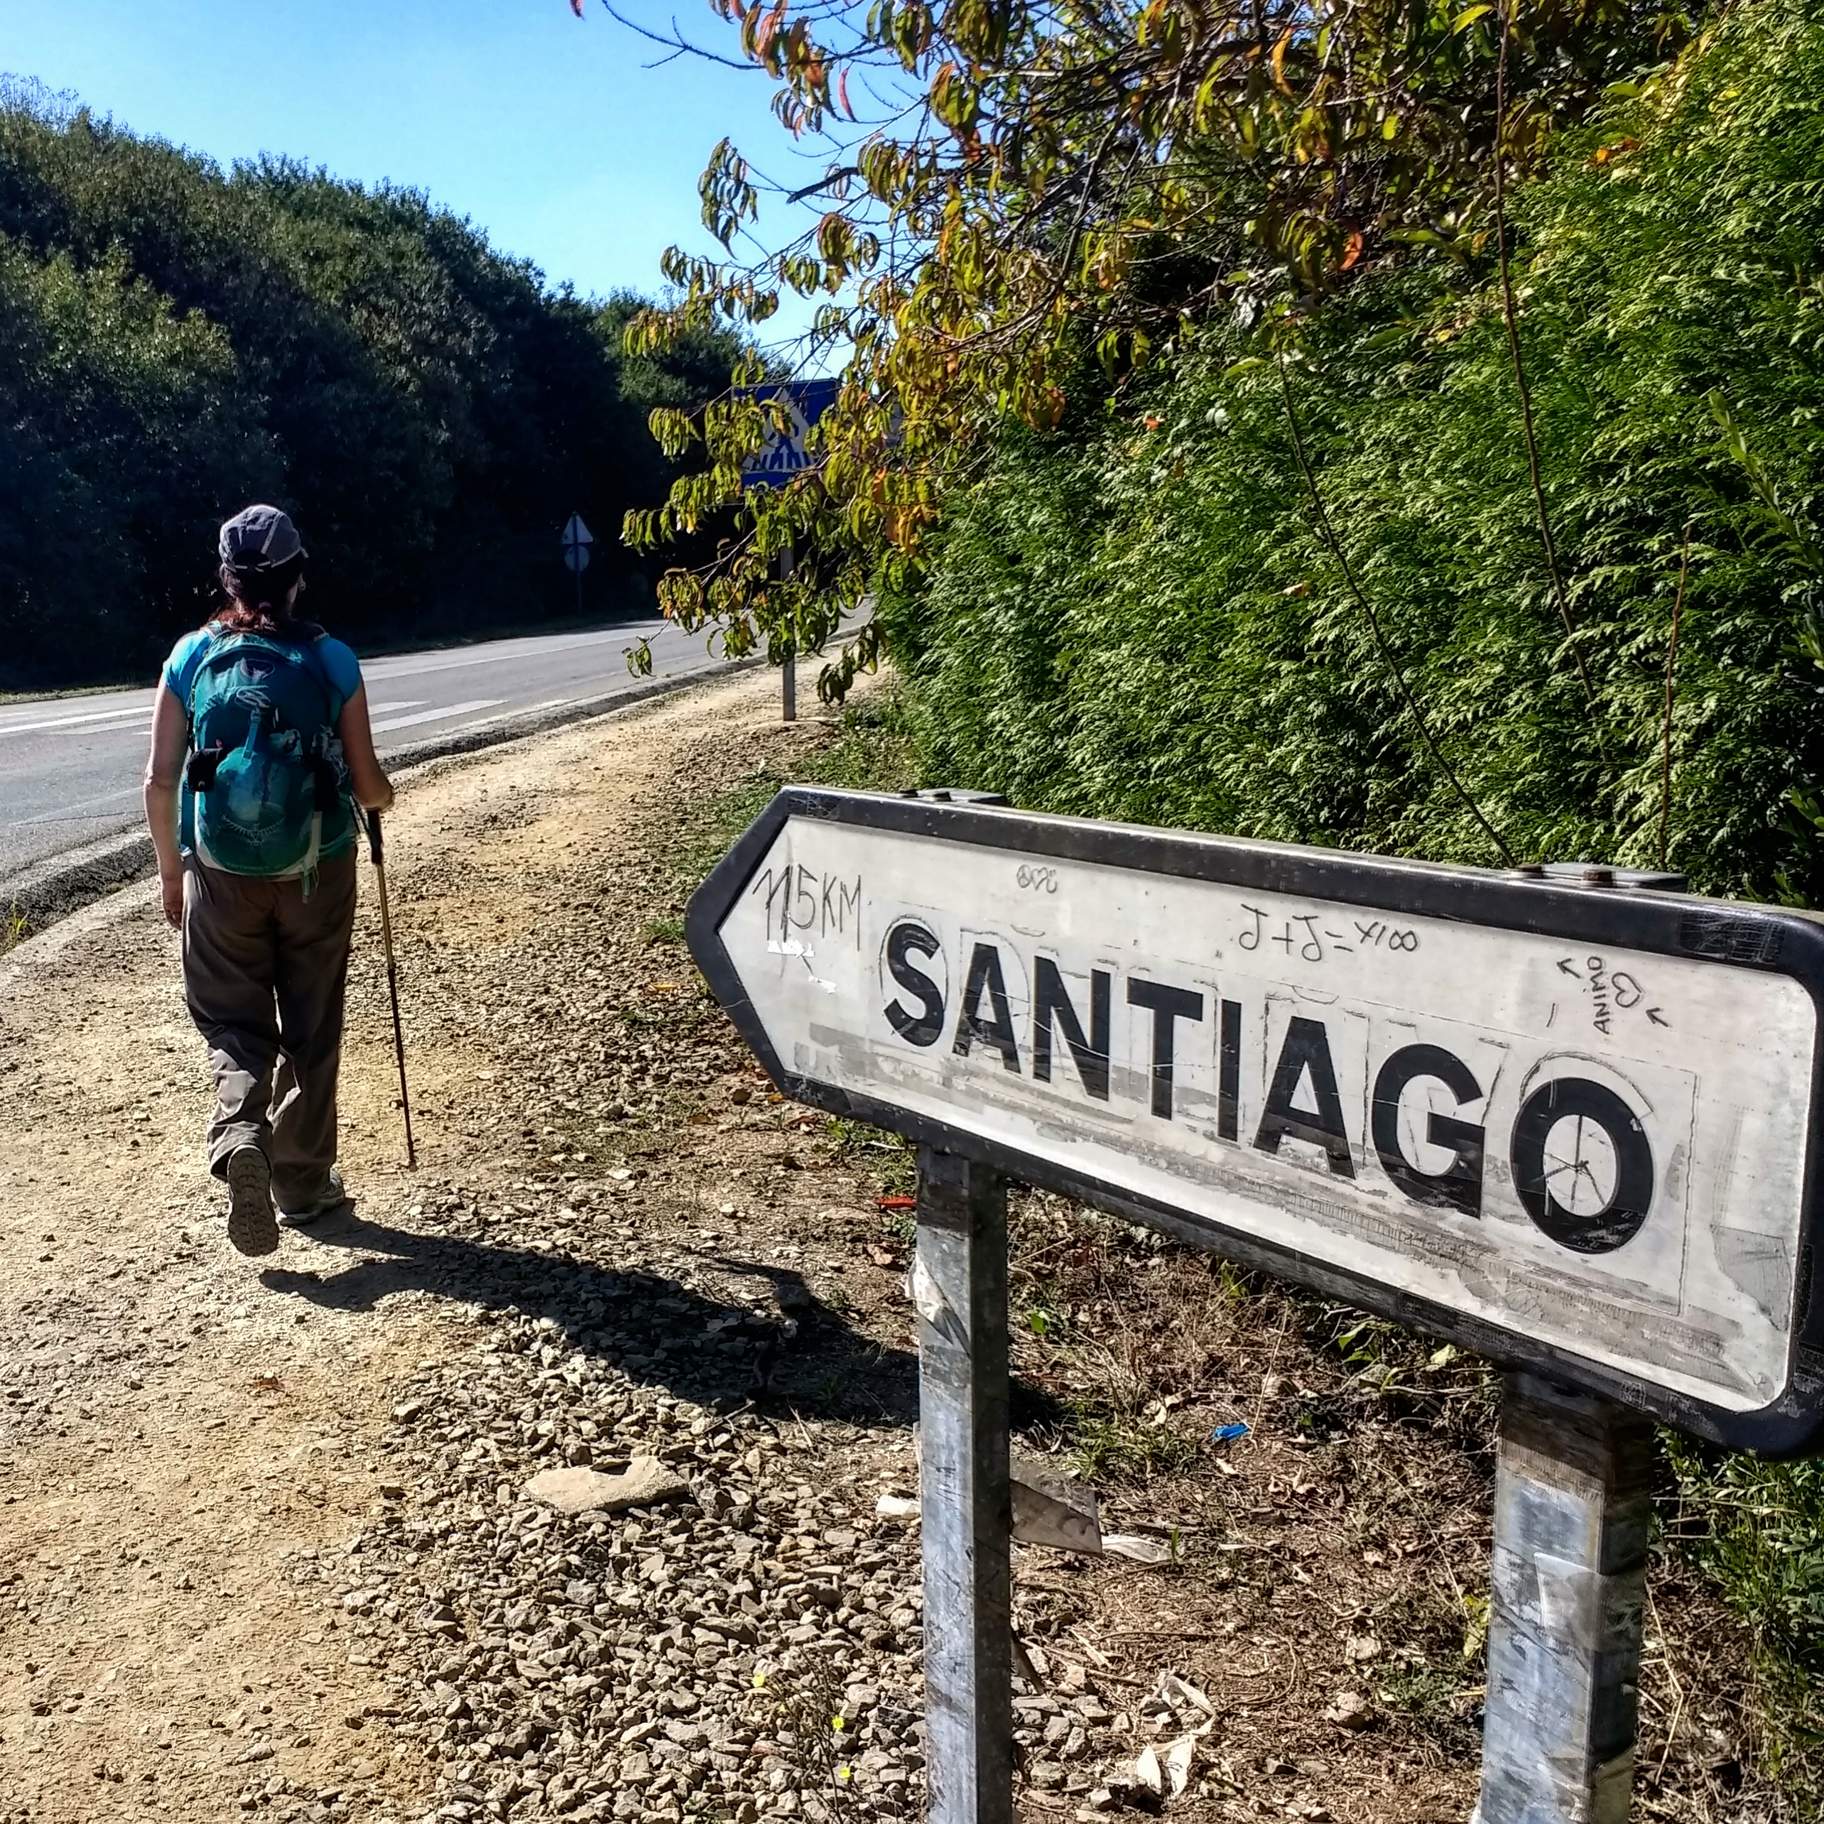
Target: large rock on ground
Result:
[645, 1482]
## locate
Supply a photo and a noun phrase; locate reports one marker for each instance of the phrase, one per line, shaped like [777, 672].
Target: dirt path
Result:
[184, 1450]
[265, 1545]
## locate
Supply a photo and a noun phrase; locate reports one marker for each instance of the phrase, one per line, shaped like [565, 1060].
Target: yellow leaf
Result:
[1279, 60]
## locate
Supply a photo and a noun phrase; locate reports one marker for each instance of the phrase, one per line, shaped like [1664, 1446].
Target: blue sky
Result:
[545, 129]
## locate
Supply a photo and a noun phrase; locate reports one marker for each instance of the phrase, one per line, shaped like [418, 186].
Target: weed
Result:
[1110, 1447]
[709, 832]
[892, 1160]
[1234, 1285]
[1047, 1316]
[649, 1015]
[669, 930]
[1763, 1545]
[808, 1706]
[15, 928]
[871, 752]
[1423, 1691]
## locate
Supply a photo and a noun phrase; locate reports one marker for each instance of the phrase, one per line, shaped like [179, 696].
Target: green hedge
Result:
[1144, 622]
[1140, 619]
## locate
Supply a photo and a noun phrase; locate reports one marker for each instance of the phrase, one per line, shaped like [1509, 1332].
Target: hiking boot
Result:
[330, 1199]
[250, 1220]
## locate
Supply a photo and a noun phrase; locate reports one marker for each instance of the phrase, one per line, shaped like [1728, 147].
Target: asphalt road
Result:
[70, 767]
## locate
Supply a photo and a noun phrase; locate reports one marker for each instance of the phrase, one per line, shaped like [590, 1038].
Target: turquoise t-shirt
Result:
[341, 672]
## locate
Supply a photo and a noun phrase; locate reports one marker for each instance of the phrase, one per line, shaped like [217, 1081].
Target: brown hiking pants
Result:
[265, 973]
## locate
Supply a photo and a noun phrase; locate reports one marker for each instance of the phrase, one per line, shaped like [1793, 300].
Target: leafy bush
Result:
[1144, 619]
[1147, 622]
[1764, 1545]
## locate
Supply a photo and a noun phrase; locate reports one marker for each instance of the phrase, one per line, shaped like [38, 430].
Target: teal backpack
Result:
[264, 769]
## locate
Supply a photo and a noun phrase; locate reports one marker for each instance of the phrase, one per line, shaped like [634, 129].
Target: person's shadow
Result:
[763, 1336]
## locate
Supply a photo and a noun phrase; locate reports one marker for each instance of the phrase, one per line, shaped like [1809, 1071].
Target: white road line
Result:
[145, 709]
[106, 715]
[437, 715]
[402, 665]
[526, 709]
[75, 813]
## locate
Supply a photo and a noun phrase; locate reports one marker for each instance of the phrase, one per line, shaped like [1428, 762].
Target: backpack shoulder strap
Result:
[213, 634]
[321, 671]
[217, 634]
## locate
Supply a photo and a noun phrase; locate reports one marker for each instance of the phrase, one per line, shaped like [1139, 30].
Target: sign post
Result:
[1574, 1130]
[1573, 1516]
[577, 538]
[789, 671]
[960, 1288]
[785, 455]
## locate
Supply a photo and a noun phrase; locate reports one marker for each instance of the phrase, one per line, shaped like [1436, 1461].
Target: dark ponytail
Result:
[259, 601]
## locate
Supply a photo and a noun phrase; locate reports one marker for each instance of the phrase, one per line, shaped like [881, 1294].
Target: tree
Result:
[1019, 203]
[184, 339]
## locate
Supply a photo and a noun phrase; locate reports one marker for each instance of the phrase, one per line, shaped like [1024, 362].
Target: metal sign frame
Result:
[1669, 924]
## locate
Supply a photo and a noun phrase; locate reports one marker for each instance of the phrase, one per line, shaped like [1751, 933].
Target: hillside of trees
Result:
[176, 340]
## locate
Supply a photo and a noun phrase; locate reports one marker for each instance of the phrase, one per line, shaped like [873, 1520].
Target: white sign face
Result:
[1597, 1148]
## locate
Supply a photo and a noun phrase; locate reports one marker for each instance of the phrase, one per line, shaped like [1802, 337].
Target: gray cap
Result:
[260, 538]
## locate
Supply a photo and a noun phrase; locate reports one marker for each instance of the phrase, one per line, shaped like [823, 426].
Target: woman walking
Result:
[261, 745]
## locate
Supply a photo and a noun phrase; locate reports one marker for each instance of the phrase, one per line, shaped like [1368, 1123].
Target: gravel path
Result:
[265, 1539]
[269, 1541]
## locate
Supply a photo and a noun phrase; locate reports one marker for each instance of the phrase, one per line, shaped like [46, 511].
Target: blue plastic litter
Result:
[1227, 1434]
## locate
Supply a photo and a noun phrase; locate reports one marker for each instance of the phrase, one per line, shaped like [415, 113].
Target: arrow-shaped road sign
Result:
[575, 532]
[1357, 1073]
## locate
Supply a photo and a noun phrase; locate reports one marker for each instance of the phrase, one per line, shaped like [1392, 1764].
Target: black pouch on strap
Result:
[199, 771]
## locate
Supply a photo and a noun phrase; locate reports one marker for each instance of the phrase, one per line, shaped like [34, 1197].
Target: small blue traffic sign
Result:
[784, 456]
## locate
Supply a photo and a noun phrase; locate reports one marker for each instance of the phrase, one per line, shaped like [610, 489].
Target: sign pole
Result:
[1572, 1519]
[784, 456]
[960, 1288]
[788, 563]
[576, 538]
